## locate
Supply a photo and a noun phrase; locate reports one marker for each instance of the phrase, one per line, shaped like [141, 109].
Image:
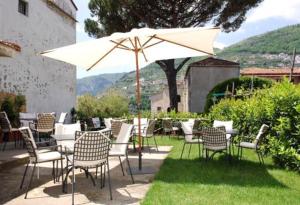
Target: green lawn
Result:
[194, 181]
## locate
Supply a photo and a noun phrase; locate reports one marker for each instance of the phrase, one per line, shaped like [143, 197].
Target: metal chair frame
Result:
[33, 154]
[262, 132]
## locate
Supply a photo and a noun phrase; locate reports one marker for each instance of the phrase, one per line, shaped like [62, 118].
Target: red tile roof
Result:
[269, 71]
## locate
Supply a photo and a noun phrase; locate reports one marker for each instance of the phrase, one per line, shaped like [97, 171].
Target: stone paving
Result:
[45, 192]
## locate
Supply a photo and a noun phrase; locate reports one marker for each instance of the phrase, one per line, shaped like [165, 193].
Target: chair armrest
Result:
[246, 138]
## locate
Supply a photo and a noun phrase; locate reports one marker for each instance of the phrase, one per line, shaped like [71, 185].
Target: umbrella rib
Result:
[142, 50]
[154, 44]
[106, 54]
[122, 45]
[148, 40]
[166, 40]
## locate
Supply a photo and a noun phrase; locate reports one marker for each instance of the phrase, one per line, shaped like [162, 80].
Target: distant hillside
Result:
[272, 49]
[97, 84]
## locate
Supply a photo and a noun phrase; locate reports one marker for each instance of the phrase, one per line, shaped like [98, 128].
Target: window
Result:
[23, 7]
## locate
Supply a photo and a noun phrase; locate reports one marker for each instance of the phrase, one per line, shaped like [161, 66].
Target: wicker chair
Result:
[115, 127]
[168, 128]
[45, 125]
[7, 130]
[254, 144]
[189, 138]
[120, 146]
[214, 139]
[39, 156]
[90, 151]
[148, 133]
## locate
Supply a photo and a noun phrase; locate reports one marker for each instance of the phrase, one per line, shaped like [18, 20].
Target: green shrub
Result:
[112, 104]
[242, 83]
[279, 107]
[12, 105]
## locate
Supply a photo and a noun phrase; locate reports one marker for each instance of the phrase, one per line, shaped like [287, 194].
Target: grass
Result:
[194, 181]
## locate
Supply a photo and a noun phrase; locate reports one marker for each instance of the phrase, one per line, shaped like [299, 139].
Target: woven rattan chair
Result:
[39, 156]
[148, 133]
[189, 138]
[115, 127]
[7, 130]
[90, 151]
[214, 139]
[120, 146]
[44, 125]
[168, 128]
[254, 144]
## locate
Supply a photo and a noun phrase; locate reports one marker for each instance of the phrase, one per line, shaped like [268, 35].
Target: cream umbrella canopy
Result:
[137, 48]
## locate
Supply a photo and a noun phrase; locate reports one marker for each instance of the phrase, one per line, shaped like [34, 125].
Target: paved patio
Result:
[45, 192]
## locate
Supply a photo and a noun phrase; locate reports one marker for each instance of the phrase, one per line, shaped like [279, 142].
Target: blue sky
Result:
[269, 15]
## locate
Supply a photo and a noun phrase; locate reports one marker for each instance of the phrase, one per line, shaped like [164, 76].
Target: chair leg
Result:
[53, 171]
[258, 157]
[129, 167]
[190, 150]
[182, 150]
[24, 175]
[109, 185]
[62, 172]
[5, 140]
[262, 159]
[73, 185]
[241, 153]
[29, 185]
[121, 165]
[148, 145]
[155, 143]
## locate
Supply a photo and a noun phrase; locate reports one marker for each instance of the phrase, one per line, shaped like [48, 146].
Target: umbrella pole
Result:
[138, 101]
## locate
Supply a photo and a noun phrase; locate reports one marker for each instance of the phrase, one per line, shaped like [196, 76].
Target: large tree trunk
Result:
[171, 74]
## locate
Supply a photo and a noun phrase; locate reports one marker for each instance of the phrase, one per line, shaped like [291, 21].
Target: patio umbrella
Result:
[137, 48]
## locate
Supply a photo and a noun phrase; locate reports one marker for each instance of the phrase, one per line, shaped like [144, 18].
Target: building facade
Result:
[38, 25]
[161, 101]
[202, 76]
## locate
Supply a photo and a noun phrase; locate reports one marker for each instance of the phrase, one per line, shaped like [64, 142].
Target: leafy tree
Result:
[111, 104]
[123, 15]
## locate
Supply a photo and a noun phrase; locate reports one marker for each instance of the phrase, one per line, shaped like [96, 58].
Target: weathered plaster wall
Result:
[202, 80]
[49, 85]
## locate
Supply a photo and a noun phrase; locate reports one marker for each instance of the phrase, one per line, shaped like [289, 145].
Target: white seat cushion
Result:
[194, 141]
[215, 148]
[48, 156]
[247, 145]
[89, 164]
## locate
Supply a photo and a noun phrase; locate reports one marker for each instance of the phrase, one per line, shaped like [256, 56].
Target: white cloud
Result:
[287, 9]
[219, 45]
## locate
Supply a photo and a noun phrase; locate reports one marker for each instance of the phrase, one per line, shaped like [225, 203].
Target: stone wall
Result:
[49, 85]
